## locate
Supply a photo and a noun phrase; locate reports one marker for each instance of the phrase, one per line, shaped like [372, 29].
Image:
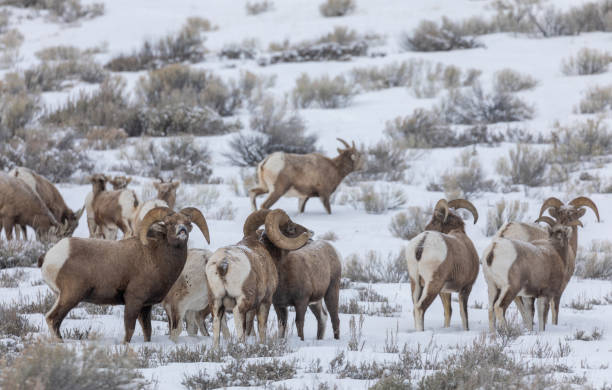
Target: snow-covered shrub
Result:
[108, 106]
[474, 106]
[259, 7]
[180, 157]
[586, 61]
[102, 138]
[173, 119]
[595, 261]
[16, 253]
[185, 46]
[17, 107]
[582, 140]
[65, 11]
[596, 99]
[444, 36]
[13, 323]
[5, 18]
[276, 128]
[227, 212]
[334, 8]
[245, 50]
[505, 211]
[10, 43]
[253, 86]
[508, 80]
[467, 179]
[422, 129]
[10, 279]
[379, 200]
[524, 165]
[328, 236]
[383, 161]
[52, 75]
[373, 267]
[323, 92]
[204, 196]
[408, 224]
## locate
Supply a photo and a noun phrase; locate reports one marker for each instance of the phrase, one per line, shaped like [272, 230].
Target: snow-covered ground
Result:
[126, 24]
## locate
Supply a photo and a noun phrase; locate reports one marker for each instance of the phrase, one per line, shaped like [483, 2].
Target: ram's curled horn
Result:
[464, 204]
[199, 220]
[547, 220]
[154, 215]
[274, 221]
[586, 202]
[78, 214]
[254, 221]
[344, 143]
[550, 202]
[575, 223]
[442, 204]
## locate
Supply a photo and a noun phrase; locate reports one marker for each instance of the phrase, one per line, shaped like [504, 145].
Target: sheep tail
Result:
[41, 260]
[222, 267]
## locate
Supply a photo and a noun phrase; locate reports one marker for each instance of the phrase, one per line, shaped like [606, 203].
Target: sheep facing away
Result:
[112, 210]
[136, 272]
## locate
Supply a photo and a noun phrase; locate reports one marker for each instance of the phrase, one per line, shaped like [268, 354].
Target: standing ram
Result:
[304, 176]
[443, 260]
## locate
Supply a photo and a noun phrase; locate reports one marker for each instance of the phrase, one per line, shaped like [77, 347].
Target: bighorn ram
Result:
[136, 272]
[19, 205]
[112, 209]
[442, 260]
[536, 269]
[305, 277]
[304, 176]
[564, 214]
[51, 197]
[166, 197]
[243, 277]
[188, 297]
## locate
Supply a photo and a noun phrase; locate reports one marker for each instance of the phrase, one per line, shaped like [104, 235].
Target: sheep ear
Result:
[156, 185]
[176, 184]
[339, 150]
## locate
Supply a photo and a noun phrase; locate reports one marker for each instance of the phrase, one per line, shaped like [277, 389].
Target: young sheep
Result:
[442, 260]
[188, 297]
[305, 277]
[304, 176]
[112, 210]
[243, 277]
[120, 182]
[166, 197]
[137, 272]
[536, 269]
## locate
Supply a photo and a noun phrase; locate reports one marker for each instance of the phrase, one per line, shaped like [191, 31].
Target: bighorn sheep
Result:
[536, 269]
[188, 297]
[304, 176]
[564, 214]
[442, 260]
[243, 277]
[305, 277]
[52, 198]
[166, 197]
[112, 209]
[136, 272]
[120, 182]
[19, 205]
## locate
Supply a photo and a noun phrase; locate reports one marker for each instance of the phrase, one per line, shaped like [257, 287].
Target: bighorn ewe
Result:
[442, 260]
[137, 272]
[305, 277]
[19, 205]
[304, 176]
[243, 277]
[188, 297]
[166, 197]
[51, 197]
[112, 209]
[120, 182]
[536, 269]
[564, 214]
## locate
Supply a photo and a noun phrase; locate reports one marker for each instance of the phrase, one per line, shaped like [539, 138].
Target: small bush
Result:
[328, 236]
[586, 61]
[374, 268]
[383, 161]
[582, 141]
[245, 50]
[473, 106]
[505, 211]
[323, 92]
[17, 110]
[335, 8]
[467, 179]
[596, 334]
[253, 86]
[16, 253]
[508, 81]
[50, 76]
[276, 129]
[13, 323]
[595, 261]
[431, 36]
[379, 200]
[597, 99]
[104, 138]
[11, 279]
[5, 17]
[10, 43]
[257, 8]
[407, 225]
[423, 129]
[524, 165]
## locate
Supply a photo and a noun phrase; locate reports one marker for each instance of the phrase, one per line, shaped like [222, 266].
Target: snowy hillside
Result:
[517, 109]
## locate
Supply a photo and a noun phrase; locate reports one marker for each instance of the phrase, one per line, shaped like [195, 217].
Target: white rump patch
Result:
[272, 167]
[126, 202]
[434, 253]
[504, 255]
[150, 205]
[53, 263]
[25, 176]
[239, 267]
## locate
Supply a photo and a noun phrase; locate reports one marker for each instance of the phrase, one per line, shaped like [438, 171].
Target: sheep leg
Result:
[326, 204]
[281, 316]
[417, 290]
[302, 203]
[505, 298]
[174, 322]
[144, 319]
[63, 304]
[464, 295]
[493, 296]
[262, 321]
[200, 317]
[321, 315]
[448, 311]
[528, 303]
[254, 193]
[520, 304]
[543, 305]
[192, 326]
[432, 289]
[91, 225]
[331, 303]
[273, 197]
[240, 322]
[7, 224]
[224, 328]
[218, 312]
[300, 314]
[250, 320]
[554, 308]
[131, 313]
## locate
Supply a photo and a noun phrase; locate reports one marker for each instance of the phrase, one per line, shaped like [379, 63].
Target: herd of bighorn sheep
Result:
[276, 263]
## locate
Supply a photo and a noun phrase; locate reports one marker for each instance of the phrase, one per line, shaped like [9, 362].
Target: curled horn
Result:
[274, 221]
[344, 143]
[442, 204]
[199, 220]
[154, 215]
[79, 213]
[464, 204]
[550, 202]
[547, 220]
[575, 223]
[586, 202]
[254, 221]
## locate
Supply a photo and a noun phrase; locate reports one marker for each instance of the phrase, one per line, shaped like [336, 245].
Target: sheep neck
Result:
[344, 164]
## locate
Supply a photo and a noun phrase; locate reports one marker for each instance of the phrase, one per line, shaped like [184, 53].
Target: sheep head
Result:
[120, 182]
[573, 211]
[71, 222]
[279, 228]
[445, 220]
[351, 155]
[98, 181]
[166, 190]
[163, 223]
[559, 233]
